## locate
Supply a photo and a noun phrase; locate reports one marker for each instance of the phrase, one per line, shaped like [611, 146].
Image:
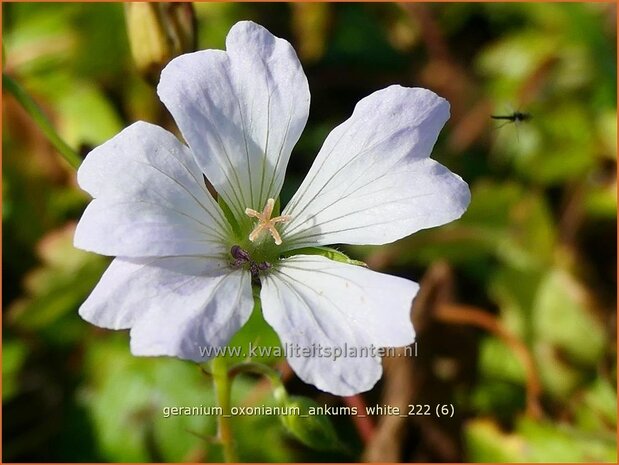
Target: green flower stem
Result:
[221, 381]
[279, 391]
[41, 120]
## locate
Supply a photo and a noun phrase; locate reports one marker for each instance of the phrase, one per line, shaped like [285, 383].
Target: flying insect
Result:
[515, 117]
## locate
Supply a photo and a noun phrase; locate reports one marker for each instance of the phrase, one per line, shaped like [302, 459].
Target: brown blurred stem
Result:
[40, 120]
[363, 423]
[462, 314]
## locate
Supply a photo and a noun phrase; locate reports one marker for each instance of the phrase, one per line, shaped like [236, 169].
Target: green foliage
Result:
[127, 398]
[53, 292]
[536, 442]
[13, 357]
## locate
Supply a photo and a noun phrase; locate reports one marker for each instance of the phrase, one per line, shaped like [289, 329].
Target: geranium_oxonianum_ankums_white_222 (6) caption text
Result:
[186, 263]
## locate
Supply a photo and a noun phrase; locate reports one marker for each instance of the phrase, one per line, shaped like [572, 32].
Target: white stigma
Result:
[265, 222]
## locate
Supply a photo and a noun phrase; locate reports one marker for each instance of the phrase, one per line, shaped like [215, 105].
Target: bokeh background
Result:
[516, 318]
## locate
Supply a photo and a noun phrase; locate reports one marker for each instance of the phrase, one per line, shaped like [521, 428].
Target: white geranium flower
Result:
[183, 274]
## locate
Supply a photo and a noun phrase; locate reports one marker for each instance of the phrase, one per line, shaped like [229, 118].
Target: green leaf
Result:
[601, 200]
[486, 443]
[14, 354]
[498, 361]
[556, 442]
[563, 316]
[552, 313]
[102, 123]
[498, 398]
[515, 291]
[328, 252]
[559, 377]
[597, 411]
[535, 441]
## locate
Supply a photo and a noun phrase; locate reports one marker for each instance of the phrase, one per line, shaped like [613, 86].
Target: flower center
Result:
[265, 222]
[242, 259]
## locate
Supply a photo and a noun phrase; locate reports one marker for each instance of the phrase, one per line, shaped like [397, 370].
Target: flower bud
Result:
[312, 429]
[157, 33]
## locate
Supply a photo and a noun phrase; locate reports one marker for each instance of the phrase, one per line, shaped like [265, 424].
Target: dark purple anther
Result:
[241, 257]
[239, 254]
[264, 266]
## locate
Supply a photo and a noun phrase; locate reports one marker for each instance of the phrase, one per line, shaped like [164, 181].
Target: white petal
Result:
[372, 182]
[150, 198]
[312, 301]
[201, 314]
[141, 229]
[130, 288]
[241, 111]
[173, 305]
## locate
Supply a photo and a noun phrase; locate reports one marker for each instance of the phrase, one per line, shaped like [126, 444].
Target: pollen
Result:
[265, 222]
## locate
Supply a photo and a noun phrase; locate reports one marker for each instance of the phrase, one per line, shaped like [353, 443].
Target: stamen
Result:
[265, 222]
[241, 257]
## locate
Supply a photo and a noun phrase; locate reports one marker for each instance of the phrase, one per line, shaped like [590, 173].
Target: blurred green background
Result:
[517, 315]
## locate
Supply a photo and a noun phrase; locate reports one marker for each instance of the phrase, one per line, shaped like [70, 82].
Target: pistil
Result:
[265, 222]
